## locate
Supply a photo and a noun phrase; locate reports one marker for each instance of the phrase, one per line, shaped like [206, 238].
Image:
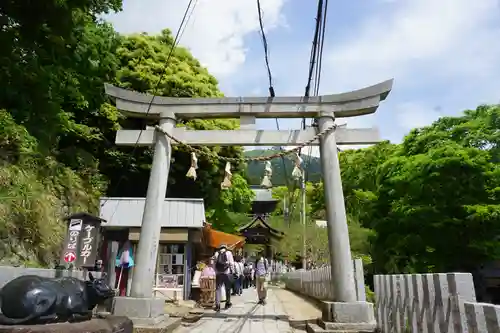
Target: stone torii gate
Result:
[325, 108]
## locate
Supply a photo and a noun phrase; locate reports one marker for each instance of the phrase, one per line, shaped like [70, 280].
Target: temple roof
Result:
[262, 194]
[258, 221]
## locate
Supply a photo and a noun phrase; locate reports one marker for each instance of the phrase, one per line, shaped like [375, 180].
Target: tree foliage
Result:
[52, 67]
[316, 237]
[143, 67]
[282, 169]
[433, 200]
[58, 128]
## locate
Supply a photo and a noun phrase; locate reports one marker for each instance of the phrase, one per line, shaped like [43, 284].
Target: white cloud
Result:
[447, 48]
[215, 33]
[417, 40]
[411, 115]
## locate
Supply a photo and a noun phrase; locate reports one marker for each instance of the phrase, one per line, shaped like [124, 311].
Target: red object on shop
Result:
[69, 257]
[123, 281]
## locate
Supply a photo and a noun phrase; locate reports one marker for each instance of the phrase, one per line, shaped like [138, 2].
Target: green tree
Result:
[52, 67]
[142, 65]
[475, 128]
[35, 193]
[432, 201]
[236, 199]
[436, 210]
[56, 147]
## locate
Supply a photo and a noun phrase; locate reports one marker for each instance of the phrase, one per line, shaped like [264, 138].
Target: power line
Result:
[195, 2]
[185, 19]
[270, 79]
[314, 52]
[317, 78]
[266, 49]
[319, 63]
[315, 63]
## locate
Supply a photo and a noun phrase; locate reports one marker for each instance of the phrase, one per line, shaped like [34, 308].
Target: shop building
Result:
[180, 242]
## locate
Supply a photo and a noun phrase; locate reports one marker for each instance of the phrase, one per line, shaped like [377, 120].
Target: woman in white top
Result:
[238, 277]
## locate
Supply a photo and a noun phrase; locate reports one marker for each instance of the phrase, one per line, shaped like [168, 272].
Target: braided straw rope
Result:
[206, 152]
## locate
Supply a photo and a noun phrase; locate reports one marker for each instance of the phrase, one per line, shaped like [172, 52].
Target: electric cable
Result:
[312, 61]
[315, 69]
[184, 21]
[319, 63]
[314, 51]
[195, 2]
[270, 79]
[266, 50]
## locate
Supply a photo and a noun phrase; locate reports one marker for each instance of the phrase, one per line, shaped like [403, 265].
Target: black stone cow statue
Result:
[32, 299]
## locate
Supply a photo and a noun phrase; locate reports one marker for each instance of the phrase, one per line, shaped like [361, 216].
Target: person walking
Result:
[247, 276]
[252, 275]
[238, 277]
[224, 269]
[261, 275]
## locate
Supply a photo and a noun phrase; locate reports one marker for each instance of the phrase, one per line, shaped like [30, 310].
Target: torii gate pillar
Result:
[345, 311]
[338, 234]
[147, 251]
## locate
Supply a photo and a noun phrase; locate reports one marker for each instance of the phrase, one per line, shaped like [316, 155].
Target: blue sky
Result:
[443, 55]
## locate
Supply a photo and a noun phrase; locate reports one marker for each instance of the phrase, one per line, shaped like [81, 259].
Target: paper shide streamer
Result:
[297, 169]
[226, 183]
[194, 165]
[268, 172]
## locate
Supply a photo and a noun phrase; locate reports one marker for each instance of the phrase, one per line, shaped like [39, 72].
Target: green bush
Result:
[36, 193]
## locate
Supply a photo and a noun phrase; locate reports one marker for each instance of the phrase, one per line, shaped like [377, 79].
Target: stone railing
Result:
[317, 283]
[432, 303]
[8, 273]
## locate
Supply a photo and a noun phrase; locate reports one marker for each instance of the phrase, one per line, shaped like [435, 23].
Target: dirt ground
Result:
[298, 308]
[179, 309]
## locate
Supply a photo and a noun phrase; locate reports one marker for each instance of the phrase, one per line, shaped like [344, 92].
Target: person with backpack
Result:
[224, 270]
[261, 276]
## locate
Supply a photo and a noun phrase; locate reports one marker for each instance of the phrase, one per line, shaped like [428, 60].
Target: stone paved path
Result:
[244, 317]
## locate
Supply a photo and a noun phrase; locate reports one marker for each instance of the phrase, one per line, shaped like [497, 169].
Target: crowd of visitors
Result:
[235, 274]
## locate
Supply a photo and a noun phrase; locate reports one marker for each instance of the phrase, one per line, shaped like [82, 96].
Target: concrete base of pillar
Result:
[341, 317]
[142, 311]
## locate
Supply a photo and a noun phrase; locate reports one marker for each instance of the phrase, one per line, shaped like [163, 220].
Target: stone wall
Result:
[8, 273]
[317, 283]
[432, 303]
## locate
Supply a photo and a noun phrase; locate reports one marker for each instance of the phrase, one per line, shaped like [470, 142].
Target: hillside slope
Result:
[255, 170]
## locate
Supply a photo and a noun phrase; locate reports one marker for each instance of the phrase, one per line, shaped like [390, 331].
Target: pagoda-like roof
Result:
[262, 194]
[257, 223]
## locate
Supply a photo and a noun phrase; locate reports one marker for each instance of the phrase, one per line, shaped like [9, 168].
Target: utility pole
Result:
[303, 219]
[286, 210]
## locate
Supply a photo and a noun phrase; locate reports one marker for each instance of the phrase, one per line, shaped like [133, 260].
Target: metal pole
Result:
[285, 209]
[147, 250]
[342, 271]
[303, 218]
